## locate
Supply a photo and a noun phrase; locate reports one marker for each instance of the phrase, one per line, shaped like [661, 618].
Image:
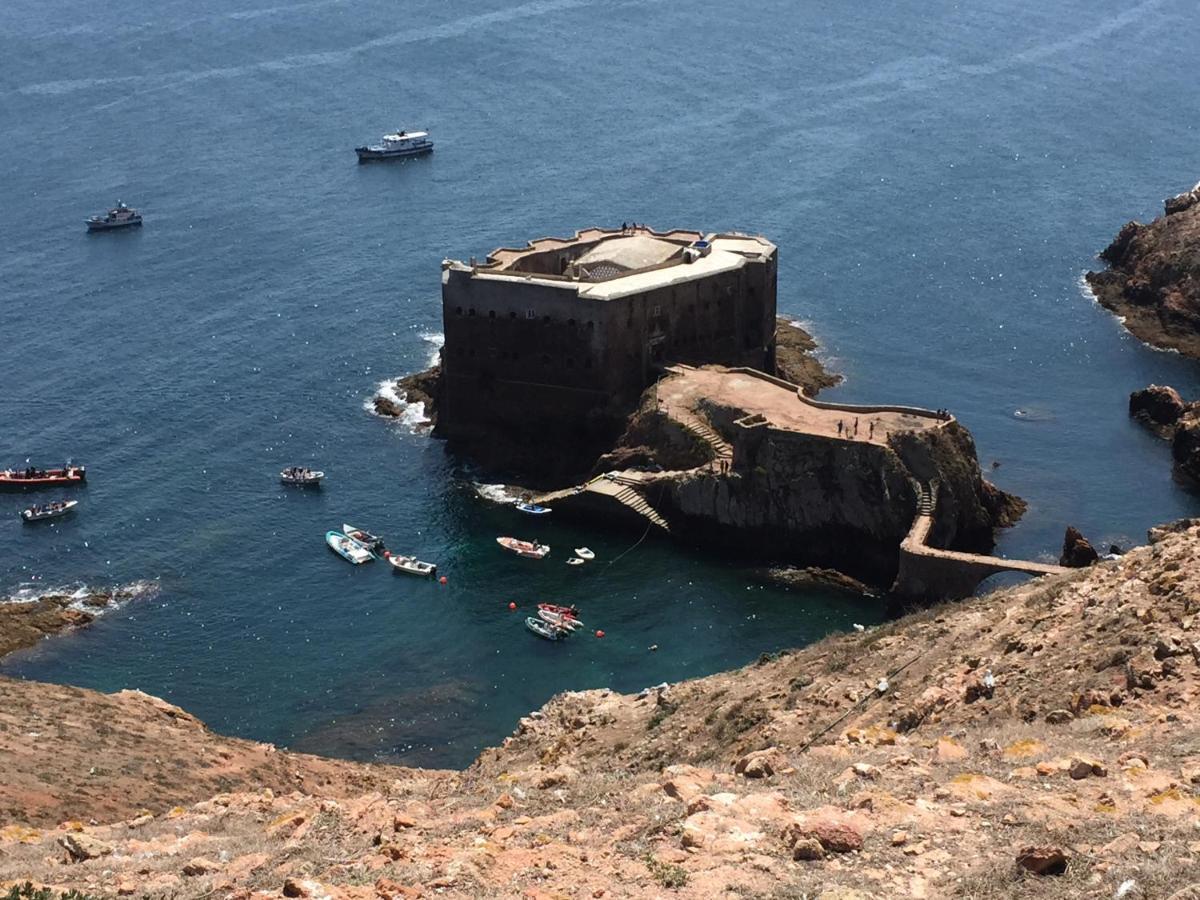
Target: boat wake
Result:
[495, 493]
[94, 600]
[412, 416]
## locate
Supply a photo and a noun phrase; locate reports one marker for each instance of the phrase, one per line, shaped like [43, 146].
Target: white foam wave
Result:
[94, 600]
[437, 340]
[495, 493]
[1086, 290]
[412, 416]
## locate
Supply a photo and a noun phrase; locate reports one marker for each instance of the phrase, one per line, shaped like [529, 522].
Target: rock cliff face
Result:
[1041, 741]
[840, 504]
[1153, 276]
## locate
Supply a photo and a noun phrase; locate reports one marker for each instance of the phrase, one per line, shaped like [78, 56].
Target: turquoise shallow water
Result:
[937, 177]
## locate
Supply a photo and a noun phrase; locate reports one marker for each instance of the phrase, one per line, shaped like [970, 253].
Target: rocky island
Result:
[1153, 276]
[1040, 741]
[644, 375]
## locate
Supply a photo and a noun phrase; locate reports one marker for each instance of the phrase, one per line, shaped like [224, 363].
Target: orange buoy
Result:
[442, 580]
[512, 606]
[599, 633]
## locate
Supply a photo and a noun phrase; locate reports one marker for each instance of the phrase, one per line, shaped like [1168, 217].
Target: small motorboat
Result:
[33, 477]
[372, 542]
[584, 553]
[348, 548]
[528, 549]
[546, 630]
[561, 610]
[575, 561]
[301, 475]
[409, 564]
[532, 509]
[40, 512]
[569, 623]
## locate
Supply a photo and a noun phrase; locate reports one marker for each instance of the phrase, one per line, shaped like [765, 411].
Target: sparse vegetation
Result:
[27, 891]
[669, 876]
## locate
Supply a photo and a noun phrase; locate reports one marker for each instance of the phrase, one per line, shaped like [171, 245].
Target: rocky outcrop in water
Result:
[1153, 276]
[26, 620]
[1077, 551]
[1164, 411]
[1157, 407]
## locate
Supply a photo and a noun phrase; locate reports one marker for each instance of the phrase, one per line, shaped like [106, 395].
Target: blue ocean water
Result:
[937, 176]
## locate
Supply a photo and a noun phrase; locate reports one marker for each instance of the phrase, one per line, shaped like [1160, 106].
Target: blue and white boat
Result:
[532, 508]
[348, 548]
[396, 146]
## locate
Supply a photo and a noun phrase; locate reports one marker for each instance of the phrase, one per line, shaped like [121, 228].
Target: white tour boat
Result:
[396, 146]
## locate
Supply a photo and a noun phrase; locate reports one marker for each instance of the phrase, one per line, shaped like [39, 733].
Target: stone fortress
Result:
[650, 359]
[572, 330]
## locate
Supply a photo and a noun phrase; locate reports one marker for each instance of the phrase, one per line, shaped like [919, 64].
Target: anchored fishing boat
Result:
[397, 145]
[575, 561]
[33, 477]
[528, 549]
[532, 509]
[120, 216]
[53, 510]
[410, 564]
[301, 475]
[348, 548]
[584, 553]
[372, 542]
[546, 630]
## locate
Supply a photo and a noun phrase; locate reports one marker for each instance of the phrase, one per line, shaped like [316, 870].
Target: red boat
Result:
[570, 612]
[31, 476]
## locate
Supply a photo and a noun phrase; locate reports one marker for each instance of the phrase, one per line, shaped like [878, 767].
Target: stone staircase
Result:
[635, 501]
[701, 429]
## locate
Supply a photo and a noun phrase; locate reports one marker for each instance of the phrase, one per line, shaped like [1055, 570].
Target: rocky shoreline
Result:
[26, 621]
[1153, 277]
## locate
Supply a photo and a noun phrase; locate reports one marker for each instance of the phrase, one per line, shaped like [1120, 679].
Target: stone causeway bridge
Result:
[950, 574]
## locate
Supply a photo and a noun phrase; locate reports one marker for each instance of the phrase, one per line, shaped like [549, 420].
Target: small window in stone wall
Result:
[545, 320]
[491, 314]
[471, 311]
[591, 326]
[530, 314]
[657, 311]
[512, 314]
[458, 310]
[571, 322]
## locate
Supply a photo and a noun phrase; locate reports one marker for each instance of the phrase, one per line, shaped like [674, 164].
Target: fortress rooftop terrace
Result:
[604, 264]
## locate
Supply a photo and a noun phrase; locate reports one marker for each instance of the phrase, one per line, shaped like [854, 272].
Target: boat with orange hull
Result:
[34, 477]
